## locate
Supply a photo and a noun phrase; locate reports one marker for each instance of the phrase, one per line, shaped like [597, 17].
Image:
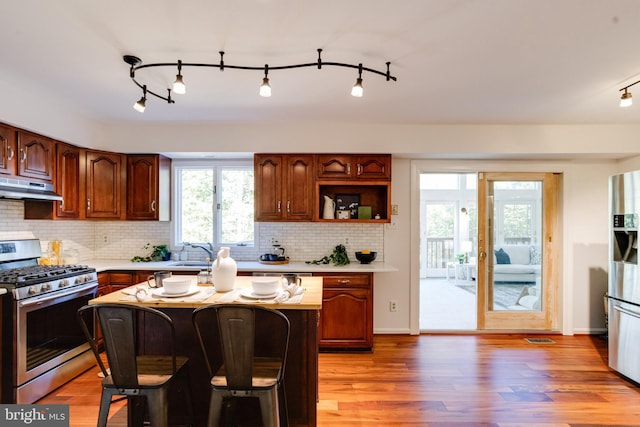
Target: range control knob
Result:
[63, 283]
[88, 278]
[79, 280]
[46, 287]
[33, 290]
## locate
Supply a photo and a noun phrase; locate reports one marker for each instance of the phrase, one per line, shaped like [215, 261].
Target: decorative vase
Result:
[329, 208]
[224, 270]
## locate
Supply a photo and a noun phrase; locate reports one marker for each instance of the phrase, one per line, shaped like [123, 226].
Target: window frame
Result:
[177, 165]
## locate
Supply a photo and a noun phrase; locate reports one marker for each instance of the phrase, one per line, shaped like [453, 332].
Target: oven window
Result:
[53, 330]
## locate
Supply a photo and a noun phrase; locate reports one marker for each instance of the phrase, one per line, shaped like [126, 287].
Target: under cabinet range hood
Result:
[27, 190]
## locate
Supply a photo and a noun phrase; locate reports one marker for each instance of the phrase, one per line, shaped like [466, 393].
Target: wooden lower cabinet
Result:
[346, 318]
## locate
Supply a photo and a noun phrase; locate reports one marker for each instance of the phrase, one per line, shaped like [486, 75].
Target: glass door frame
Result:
[546, 318]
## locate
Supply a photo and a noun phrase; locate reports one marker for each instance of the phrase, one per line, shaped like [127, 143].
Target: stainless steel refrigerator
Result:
[624, 275]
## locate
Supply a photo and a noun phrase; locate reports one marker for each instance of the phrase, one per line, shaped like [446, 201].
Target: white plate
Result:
[248, 293]
[161, 293]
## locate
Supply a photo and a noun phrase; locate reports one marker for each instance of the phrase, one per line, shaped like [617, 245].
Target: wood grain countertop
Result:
[311, 299]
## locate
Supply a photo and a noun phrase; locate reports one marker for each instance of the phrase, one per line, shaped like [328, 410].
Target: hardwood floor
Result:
[448, 380]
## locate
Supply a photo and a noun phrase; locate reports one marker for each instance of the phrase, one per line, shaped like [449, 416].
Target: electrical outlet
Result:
[346, 240]
[105, 239]
[393, 305]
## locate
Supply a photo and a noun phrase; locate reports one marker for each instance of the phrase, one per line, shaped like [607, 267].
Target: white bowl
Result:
[176, 284]
[264, 285]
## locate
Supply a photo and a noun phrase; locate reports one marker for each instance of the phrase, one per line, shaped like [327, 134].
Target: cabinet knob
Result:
[359, 169]
[288, 206]
[88, 204]
[348, 168]
[23, 155]
[344, 281]
[279, 206]
[62, 204]
[10, 153]
[153, 206]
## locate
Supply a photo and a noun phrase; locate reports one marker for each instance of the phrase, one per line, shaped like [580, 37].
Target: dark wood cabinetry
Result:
[148, 187]
[8, 150]
[70, 183]
[105, 185]
[347, 166]
[36, 156]
[346, 318]
[283, 187]
[290, 187]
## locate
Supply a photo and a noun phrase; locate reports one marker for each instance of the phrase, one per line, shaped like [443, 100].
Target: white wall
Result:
[584, 190]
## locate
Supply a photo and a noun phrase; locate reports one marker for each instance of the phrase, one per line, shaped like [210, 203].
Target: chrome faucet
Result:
[208, 248]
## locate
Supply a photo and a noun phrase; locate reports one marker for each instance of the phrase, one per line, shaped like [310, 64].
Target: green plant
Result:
[158, 253]
[461, 258]
[339, 257]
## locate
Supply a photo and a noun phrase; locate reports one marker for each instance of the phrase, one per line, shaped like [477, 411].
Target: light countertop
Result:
[292, 267]
[311, 300]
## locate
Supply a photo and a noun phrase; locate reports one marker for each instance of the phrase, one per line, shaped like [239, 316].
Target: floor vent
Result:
[539, 341]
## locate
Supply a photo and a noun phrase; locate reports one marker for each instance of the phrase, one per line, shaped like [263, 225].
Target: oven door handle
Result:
[71, 291]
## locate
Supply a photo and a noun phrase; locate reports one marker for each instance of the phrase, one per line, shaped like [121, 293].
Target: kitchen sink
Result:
[190, 264]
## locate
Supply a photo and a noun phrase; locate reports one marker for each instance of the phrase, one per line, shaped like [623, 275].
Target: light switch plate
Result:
[394, 209]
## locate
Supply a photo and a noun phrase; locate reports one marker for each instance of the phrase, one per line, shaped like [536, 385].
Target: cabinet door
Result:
[104, 185]
[268, 187]
[344, 319]
[334, 167]
[142, 187]
[8, 150]
[299, 187]
[35, 156]
[69, 180]
[373, 167]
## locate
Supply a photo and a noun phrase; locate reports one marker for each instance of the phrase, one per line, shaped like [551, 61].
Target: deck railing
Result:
[439, 252]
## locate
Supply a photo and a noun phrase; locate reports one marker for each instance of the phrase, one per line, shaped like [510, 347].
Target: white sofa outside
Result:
[523, 265]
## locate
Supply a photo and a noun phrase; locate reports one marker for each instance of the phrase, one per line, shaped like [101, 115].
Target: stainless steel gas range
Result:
[42, 344]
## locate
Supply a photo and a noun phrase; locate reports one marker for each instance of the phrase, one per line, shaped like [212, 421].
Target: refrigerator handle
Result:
[627, 311]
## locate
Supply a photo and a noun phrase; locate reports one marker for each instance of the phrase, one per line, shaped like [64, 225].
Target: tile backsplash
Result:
[82, 240]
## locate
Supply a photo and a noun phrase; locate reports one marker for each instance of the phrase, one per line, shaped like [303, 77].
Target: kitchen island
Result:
[301, 377]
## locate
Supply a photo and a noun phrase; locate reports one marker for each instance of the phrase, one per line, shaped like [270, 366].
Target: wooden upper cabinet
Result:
[268, 187]
[345, 166]
[36, 156]
[8, 150]
[69, 181]
[284, 187]
[148, 187]
[299, 187]
[105, 185]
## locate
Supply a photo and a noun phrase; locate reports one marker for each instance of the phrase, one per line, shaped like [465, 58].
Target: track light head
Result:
[141, 104]
[265, 89]
[178, 85]
[626, 100]
[357, 89]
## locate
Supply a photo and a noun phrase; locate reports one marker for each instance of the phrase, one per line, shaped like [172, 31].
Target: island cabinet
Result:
[148, 187]
[346, 318]
[8, 149]
[357, 167]
[283, 187]
[301, 373]
[36, 156]
[106, 178]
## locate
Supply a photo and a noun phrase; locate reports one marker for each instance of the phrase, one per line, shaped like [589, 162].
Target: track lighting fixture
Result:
[179, 87]
[265, 89]
[626, 98]
[357, 89]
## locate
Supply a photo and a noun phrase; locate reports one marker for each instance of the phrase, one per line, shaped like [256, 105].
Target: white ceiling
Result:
[457, 61]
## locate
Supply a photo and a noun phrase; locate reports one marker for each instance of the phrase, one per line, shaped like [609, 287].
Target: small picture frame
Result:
[343, 214]
[348, 202]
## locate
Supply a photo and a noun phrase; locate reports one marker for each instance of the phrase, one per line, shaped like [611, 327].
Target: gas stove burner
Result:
[24, 276]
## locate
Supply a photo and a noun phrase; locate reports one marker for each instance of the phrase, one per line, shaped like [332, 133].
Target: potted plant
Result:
[461, 258]
[158, 253]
